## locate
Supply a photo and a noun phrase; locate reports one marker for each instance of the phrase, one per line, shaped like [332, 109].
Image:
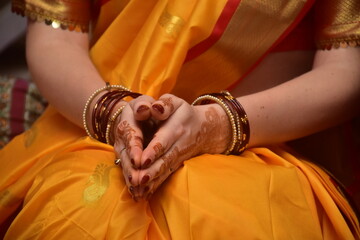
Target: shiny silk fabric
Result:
[57, 183]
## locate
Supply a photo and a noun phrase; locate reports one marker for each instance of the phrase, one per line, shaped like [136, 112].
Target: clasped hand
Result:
[154, 137]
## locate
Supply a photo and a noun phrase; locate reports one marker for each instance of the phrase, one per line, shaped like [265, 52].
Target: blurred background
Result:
[12, 42]
[20, 102]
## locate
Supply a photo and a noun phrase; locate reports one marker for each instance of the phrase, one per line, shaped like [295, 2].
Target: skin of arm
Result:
[60, 66]
[323, 97]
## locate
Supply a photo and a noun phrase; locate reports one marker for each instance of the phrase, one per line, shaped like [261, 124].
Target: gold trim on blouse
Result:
[338, 23]
[70, 14]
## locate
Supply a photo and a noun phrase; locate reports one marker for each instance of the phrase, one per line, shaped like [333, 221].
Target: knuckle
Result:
[179, 130]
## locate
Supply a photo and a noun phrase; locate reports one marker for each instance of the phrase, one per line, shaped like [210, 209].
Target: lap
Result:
[82, 193]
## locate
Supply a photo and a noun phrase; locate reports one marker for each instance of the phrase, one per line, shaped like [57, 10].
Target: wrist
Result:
[215, 130]
[102, 109]
[236, 115]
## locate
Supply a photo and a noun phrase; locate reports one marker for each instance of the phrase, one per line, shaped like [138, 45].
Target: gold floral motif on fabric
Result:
[7, 199]
[171, 23]
[97, 184]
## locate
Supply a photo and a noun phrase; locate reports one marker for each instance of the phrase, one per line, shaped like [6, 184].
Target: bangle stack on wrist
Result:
[237, 117]
[101, 120]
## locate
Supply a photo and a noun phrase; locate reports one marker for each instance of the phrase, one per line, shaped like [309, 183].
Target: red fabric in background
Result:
[301, 38]
[17, 108]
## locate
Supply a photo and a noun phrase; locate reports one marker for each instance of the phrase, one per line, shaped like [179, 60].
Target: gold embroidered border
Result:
[39, 14]
[245, 40]
[343, 42]
[171, 23]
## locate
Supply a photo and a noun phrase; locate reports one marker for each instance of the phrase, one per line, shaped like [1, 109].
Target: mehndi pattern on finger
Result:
[126, 132]
[168, 102]
[158, 149]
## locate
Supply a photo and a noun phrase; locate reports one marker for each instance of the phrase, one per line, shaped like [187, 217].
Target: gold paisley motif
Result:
[7, 199]
[171, 23]
[30, 136]
[97, 184]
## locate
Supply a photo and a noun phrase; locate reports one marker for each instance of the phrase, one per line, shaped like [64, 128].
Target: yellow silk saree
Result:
[57, 183]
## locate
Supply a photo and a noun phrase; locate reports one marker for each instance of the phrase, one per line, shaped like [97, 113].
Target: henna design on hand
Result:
[215, 132]
[168, 102]
[159, 150]
[209, 139]
[138, 142]
[126, 132]
[212, 137]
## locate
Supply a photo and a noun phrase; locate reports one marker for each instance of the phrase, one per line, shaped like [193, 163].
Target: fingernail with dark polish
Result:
[142, 108]
[132, 162]
[130, 178]
[158, 108]
[131, 189]
[145, 179]
[146, 163]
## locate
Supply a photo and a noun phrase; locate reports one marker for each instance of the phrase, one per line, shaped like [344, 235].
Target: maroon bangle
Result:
[97, 110]
[103, 108]
[102, 119]
[244, 128]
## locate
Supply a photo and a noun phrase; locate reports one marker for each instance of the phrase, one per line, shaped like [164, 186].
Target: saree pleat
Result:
[78, 192]
[69, 188]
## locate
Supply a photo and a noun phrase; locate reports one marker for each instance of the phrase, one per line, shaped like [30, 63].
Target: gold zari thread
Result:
[171, 23]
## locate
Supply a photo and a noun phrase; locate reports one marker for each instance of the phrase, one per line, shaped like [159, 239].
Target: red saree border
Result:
[17, 109]
[102, 2]
[291, 27]
[219, 28]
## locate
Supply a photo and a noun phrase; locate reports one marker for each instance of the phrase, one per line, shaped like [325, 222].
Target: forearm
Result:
[62, 69]
[323, 97]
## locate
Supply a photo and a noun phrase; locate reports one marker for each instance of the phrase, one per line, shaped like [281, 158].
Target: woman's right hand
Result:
[134, 129]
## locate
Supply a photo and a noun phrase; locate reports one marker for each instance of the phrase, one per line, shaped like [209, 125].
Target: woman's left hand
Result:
[184, 131]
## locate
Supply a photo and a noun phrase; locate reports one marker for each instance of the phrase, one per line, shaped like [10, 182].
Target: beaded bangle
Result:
[243, 122]
[206, 99]
[91, 98]
[86, 108]
[110, 125]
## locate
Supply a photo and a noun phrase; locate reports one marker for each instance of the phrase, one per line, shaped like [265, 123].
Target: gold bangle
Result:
[243, 127]
[111, 123]
[86, 108]
[91, 98]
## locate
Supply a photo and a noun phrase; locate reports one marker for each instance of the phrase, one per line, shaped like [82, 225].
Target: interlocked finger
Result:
[129, 131]
[157, 178]
[141, 107]
[167, 104]
[160, 144]
[152, 177]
